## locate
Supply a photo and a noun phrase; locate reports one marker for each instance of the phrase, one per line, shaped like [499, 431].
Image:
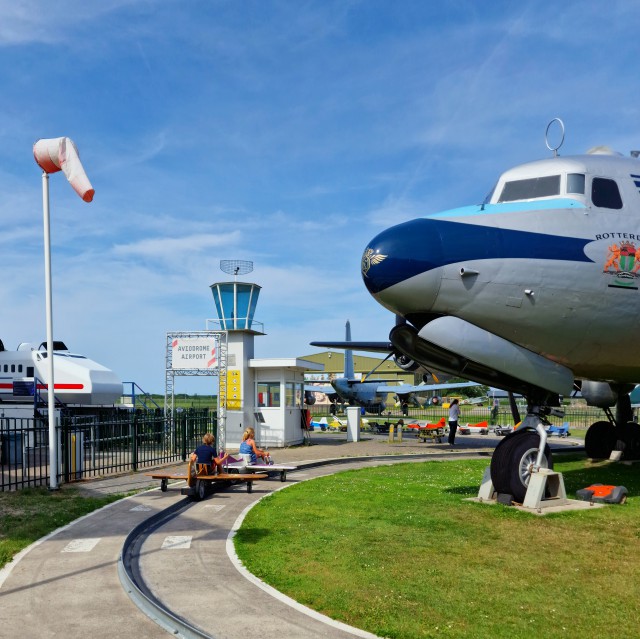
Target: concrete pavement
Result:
[67, 584]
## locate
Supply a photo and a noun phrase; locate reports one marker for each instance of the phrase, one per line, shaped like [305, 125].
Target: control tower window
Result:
[575, 183]
[605, 193]
[531, 189]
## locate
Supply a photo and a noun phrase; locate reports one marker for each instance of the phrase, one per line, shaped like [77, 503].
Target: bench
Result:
[200, 483]
[239, 465]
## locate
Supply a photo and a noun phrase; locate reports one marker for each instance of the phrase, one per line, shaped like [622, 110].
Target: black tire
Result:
[201, 490]
[512, 460]
[164, 485]
[630, 434]
[600, 440]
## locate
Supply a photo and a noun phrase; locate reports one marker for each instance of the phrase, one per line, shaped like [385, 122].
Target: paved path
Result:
[67, 584]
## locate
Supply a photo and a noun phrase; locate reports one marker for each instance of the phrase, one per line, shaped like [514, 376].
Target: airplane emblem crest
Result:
[371, 258]
[623, 261]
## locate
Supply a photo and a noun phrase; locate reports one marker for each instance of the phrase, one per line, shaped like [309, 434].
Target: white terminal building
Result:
[265, 394]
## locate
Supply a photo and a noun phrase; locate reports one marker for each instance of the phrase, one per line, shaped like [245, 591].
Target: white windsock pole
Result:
[53, 155]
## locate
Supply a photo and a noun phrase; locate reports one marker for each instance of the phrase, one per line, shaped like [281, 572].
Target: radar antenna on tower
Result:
[236, 267]
[235, 301]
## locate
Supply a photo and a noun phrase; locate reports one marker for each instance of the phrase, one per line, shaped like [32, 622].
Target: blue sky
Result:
[287, 133]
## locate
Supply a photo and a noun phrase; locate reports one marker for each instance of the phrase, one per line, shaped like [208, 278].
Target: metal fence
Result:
[97, 445]
[577, 416]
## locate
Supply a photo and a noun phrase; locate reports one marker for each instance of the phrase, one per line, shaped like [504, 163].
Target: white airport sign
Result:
[194, 353]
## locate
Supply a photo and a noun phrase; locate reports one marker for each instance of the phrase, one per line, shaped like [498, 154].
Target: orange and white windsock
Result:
[61, 154]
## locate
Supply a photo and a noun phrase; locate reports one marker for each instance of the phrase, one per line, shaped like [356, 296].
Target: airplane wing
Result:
[326, 389]
[374, 347]
[405, 389]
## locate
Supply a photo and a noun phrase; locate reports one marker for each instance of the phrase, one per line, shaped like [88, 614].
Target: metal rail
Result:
[135, 586]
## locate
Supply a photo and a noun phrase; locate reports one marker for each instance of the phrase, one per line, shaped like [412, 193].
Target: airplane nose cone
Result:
[399, 254]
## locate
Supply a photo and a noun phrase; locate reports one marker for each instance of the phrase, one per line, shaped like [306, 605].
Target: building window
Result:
[294, 395]
[268, 394]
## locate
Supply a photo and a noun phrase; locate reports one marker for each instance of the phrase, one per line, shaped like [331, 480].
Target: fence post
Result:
[134, 442]
[183, 434]
[62, 432]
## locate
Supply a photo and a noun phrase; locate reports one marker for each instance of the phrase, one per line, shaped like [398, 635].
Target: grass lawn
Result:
[396, 551]
[26, 515]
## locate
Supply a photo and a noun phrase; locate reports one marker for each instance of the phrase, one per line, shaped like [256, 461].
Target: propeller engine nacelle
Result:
[603, 394]
[309, 398]
[599, 394]
[406, 364]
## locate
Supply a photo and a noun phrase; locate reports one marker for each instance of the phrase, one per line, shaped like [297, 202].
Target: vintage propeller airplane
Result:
[535, 291]
[370, 394]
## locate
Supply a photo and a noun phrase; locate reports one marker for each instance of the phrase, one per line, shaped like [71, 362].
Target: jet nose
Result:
[399, 254]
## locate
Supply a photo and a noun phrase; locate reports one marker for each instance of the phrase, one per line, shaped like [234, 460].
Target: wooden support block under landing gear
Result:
[545, 482]
[487, 492]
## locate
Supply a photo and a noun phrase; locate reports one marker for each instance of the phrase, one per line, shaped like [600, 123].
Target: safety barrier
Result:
[96, 445]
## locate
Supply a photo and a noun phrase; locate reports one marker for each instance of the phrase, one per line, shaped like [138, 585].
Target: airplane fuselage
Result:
[361, 394]
[77, 379]
[547, 271]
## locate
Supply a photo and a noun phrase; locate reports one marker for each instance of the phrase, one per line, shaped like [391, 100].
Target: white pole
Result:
[53, 443]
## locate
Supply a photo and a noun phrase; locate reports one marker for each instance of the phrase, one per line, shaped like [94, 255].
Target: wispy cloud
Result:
[176, 247]
[33, 22]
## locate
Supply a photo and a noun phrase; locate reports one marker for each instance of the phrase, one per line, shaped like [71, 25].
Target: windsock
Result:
[57, 154]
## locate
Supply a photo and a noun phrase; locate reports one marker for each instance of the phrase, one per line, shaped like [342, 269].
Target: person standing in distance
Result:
[454, 414]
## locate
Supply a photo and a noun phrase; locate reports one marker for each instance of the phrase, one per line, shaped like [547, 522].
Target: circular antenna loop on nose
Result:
[546, 136]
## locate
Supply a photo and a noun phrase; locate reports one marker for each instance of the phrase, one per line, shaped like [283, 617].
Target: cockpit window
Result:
[575, 183]
[531, 188]
[605, 193]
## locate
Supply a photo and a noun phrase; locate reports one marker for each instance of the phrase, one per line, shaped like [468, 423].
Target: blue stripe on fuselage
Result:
[510, 207]
[425, 244]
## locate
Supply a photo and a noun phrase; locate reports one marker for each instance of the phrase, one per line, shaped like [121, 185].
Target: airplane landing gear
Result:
[619, 433]
[603, 438]
[518, 455]
[513, 461]
[600, 440]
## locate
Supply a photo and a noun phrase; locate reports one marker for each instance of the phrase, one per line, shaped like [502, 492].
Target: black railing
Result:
[96, 445]
[578, 417]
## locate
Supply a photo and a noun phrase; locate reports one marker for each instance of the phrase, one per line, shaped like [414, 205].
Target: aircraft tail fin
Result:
[348, 354]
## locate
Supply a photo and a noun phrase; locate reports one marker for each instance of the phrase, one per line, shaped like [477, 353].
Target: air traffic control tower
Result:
[266, 394]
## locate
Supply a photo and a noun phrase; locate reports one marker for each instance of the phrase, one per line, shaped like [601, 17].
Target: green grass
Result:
[396, 551]
[29, 514]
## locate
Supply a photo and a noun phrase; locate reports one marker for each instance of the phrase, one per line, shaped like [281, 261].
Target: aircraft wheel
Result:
[600, 440]
[201, 489]
[512, 461]
[630, 434]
